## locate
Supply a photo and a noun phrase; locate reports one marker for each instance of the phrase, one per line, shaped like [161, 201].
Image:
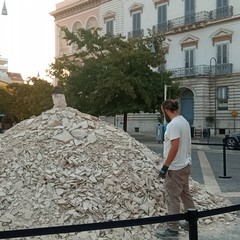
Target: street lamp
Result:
[4, 9]
[215, 93]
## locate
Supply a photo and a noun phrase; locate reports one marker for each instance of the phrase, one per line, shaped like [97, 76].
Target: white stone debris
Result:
[65, 167]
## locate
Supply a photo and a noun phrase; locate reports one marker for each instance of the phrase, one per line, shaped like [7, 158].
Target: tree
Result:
[29, 99]
[5, 103]
[110, 75]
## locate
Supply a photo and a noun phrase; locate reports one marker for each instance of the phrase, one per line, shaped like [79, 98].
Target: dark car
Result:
[233, 140]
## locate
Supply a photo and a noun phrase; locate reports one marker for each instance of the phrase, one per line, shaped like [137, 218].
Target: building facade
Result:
[4, 78]
[202, 41]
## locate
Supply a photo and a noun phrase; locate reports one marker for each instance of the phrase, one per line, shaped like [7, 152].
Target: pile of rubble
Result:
[65, 167]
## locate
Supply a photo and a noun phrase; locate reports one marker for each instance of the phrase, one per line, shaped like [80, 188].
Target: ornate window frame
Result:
[158, 2]
[221, 35]
[136, 7]
[109, 15]
[189, 41]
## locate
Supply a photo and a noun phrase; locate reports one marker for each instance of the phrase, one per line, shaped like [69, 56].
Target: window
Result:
[92, 23]
[222, 53]
[136, 17]
[109, 27]
[162, 18]
[222, 3]
[222, 9]
[63, 46]
[189, 62]
[75, 29]
[222, 59]
[222, 98]
[189, 11]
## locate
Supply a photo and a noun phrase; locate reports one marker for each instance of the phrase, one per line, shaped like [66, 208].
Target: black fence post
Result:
[224, 160]
[192, 217]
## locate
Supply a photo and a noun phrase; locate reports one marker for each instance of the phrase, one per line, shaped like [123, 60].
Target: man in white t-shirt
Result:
[177, 165]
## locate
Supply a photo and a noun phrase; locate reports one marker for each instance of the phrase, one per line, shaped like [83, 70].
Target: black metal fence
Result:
[191, 216]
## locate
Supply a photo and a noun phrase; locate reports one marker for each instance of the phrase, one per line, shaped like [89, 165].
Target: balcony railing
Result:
[188, 20]
[202, 70]
[221, 13]
[199, 70]
[196, 18]
[137, 33]
[161, 27]
[221, 69]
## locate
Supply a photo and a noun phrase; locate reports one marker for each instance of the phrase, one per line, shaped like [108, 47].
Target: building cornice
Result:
[75, 8]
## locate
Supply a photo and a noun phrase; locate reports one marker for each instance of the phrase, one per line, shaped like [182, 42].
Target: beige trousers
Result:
[177, 187]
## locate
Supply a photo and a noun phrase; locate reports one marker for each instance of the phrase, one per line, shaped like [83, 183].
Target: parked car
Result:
[233, 140]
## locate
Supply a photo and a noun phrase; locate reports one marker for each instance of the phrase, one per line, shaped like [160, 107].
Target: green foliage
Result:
[5, 102]
[110, 75]
[25, 100]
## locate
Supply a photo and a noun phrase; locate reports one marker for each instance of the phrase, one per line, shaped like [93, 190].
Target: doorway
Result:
[187, 105]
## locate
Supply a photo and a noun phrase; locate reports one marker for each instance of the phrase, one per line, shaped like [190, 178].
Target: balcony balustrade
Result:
[196, 18]
[202, 70]
[222, 69]
[137, 33]
[188, 20]
[221, 13]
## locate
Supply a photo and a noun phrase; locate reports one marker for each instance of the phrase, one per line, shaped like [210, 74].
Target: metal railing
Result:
[136, 33]
[199, 70]
[222, 69]
[195, 18]
[192, 216]
[221, 13]
[202, 70]
[188, 20]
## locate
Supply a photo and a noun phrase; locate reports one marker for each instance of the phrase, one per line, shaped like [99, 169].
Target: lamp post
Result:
[215, 93]
[4, 9]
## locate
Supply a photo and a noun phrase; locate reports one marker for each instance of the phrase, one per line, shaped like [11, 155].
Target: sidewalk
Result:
[229, 187]
[208, 164]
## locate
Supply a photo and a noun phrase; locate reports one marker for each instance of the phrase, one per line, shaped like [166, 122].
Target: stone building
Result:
[202, 39]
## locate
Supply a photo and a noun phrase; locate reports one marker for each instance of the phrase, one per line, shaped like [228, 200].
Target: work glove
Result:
[163, 171]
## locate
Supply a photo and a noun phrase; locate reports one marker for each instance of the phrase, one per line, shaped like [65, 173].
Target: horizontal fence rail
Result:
[191, 216]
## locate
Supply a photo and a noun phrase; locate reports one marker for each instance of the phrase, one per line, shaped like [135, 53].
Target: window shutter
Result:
[219, 55]
[162, 13]
[136, 21]
[186, 59]
[224, 60]
[191, 57]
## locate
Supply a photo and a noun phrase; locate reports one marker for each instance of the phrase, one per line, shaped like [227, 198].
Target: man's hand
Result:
[163, 171]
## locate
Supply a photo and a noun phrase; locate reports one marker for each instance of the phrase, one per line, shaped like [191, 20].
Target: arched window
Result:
[63, 47]
[75, 28]
[92, 23]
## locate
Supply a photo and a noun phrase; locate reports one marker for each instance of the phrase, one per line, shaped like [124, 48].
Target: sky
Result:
[27, 36]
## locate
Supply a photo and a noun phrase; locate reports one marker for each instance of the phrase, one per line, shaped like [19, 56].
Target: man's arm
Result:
[171, 156]
[172, 152]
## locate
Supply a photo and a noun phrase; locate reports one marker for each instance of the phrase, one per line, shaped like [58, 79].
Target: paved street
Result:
[208, 169]
[208, 165]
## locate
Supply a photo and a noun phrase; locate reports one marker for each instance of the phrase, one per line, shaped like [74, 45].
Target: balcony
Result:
[161, 27]
[221, 13]
[137, 33]
[199, 70]
[222, 69]
[196, 18]
[202, 70]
